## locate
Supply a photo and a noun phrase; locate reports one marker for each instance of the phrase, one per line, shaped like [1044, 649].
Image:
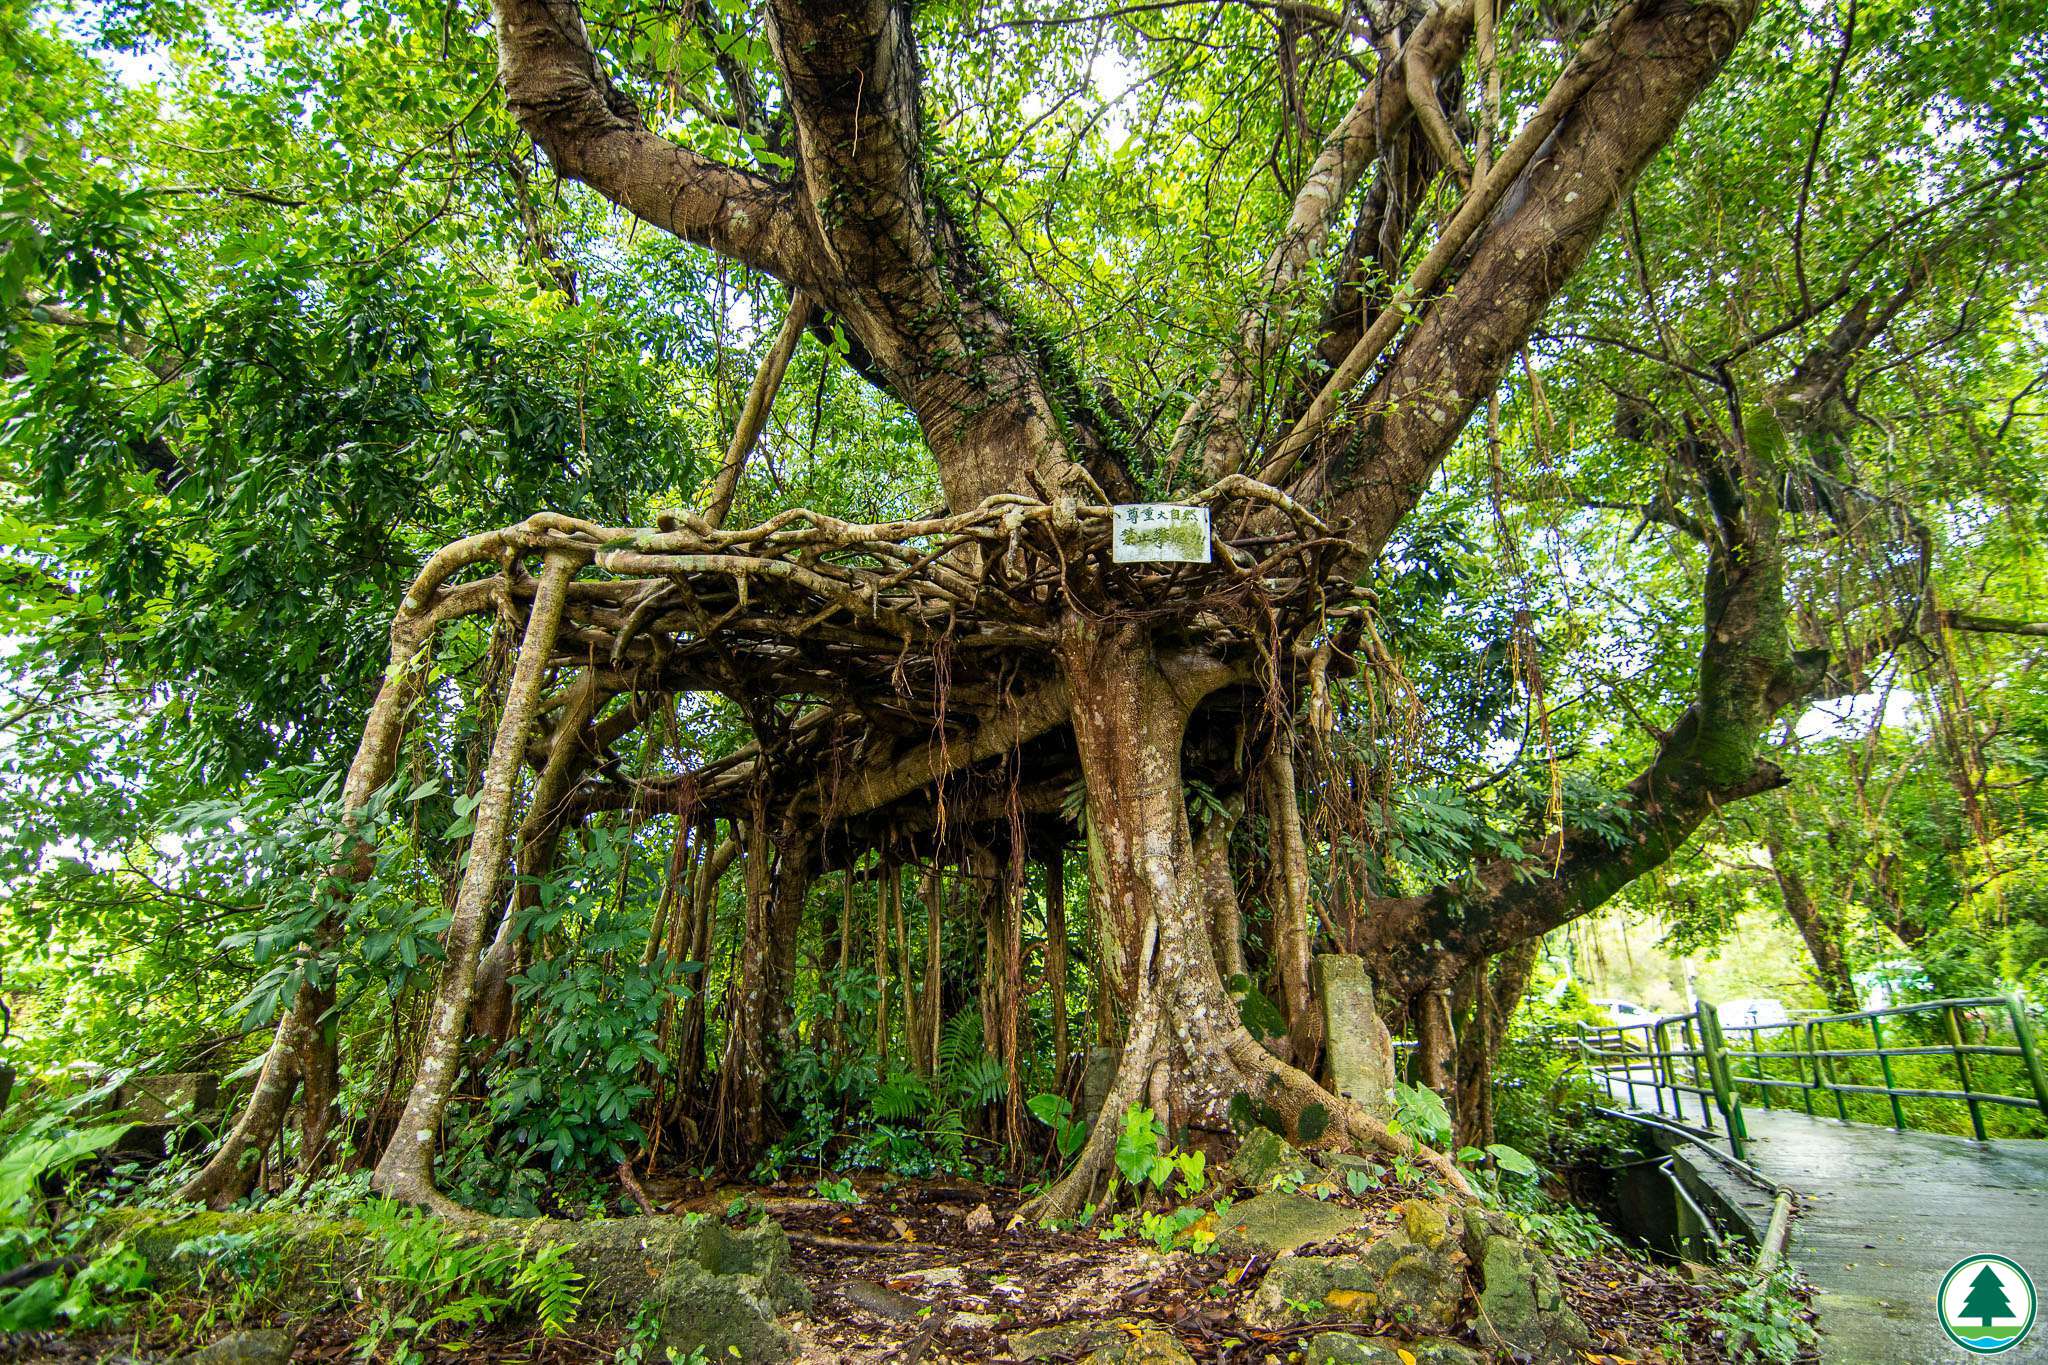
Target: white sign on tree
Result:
[1159, 533]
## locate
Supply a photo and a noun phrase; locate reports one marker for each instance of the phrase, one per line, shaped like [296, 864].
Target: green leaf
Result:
[1138, 1144]
[1511, 1160]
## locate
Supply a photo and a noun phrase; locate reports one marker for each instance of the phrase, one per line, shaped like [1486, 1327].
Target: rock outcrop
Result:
[704, 1283]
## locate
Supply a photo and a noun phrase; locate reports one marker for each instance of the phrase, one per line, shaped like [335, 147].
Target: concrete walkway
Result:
[1882, 1217]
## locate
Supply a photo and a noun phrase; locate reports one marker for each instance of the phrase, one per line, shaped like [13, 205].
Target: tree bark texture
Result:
[1185, 1053]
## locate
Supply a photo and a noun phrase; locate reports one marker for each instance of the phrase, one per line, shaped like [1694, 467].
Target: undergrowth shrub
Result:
[432, 1281]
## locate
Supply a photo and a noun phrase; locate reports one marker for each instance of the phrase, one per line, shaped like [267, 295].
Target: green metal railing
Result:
[1678, 1055]
[1715, 1065]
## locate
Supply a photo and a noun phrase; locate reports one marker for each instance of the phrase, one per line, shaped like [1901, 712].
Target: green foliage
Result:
[1765, 1319]
[237, 1274]
[1176, 1228]
[90, 1296]
[48, 1149]
[1543, 1099]
[1420, 1112]
[1505, 1159]
[1137, 1144]
[901, 1095]
[1145, 1158]
[577, 1077]
[1057, 1112]
[434, 1280]
[1558, 1226]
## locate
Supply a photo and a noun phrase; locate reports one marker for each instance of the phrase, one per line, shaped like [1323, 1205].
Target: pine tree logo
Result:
[1986, 1304]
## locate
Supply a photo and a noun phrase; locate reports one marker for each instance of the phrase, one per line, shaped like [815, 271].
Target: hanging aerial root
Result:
[405, 1171]
[231, 1171]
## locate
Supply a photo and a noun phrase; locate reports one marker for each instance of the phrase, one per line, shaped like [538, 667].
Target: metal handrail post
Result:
[1725, 1099]
[1812, 1064]
[1628, 1067]
[1756, 1046]
[1955, 1043]
[1884, 1062]
[1660, 1062]
[2023, 1032]
[1696, 1052]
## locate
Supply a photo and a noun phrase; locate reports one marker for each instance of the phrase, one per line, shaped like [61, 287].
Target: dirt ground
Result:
[915, 1272]
[934, 1272]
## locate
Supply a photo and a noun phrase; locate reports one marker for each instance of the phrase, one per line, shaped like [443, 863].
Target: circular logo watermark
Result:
[1986, 1304]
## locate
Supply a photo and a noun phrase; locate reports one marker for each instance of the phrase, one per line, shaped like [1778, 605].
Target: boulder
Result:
[1145, 1346]
[1265, 1159]
[1274, 1224]
[1097, 1075]
[704, 1284]
[1064, 1339]
[1522, 1308]
[172, 1096]
[263, 1346]
[1413, 1275]
[1358, 1051]
[1344, 1348]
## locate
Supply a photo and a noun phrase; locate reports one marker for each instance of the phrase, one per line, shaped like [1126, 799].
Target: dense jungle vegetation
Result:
[561, 635]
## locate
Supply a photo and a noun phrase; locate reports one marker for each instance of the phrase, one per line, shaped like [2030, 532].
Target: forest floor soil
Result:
[933, 1272]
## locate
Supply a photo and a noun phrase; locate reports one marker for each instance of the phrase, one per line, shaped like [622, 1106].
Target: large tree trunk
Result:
[1494, 994]
[1823, 937]
[1185, 1052]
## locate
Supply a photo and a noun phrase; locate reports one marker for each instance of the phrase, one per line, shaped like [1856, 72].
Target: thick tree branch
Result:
[1639, 79]
[902, 275]
[1381, 111]
[754, 416]
[591, 132]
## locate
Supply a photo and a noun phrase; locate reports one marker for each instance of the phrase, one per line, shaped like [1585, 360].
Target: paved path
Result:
[1882, 1217]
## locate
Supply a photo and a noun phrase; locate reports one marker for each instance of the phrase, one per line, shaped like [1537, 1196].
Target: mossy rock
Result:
[707, 1284]
[1413, 1275]
[1145, 1346]
[1522, 1308]
[260, 1346]
[1265, 1159]
[1065, 1339]
[1345, 1348]
[1275, 1223]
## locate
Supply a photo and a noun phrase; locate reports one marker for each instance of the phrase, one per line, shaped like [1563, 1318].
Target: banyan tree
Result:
[989, 685]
